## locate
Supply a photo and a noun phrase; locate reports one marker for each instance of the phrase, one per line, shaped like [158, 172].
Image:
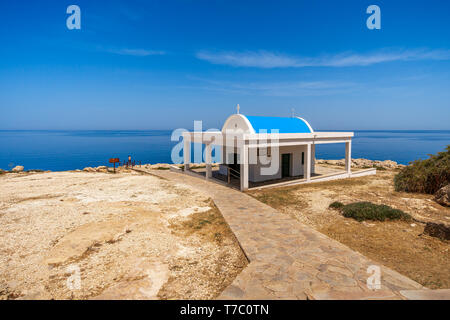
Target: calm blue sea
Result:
[65, 150]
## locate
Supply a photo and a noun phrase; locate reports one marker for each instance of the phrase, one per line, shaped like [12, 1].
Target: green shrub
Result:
[425, 176]
[361, 211]
[336, 205]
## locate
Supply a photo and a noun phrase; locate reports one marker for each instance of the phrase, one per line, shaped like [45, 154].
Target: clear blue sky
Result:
[164, 64]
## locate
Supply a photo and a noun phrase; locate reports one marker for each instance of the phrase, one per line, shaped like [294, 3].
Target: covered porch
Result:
[289, 157]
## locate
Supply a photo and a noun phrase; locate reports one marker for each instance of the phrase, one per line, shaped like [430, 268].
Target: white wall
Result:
[295, 170]
[296, 164]
[237, 122]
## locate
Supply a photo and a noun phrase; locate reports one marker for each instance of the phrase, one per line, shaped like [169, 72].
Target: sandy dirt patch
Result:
[78, 235]
[401, 246]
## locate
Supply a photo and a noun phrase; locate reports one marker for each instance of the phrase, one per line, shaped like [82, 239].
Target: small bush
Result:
[425, 176]
[361, 211]
[193, 167]
[336, 205]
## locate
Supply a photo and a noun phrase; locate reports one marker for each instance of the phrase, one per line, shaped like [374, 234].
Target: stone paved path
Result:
[289, 260]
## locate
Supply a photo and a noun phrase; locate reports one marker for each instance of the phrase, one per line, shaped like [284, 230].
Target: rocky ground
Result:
[125, 235]
[130, 235]
[156, 166]
[402, 246]
[364, 163]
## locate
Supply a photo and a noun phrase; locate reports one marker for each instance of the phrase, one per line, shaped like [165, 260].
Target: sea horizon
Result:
[191, 129]
[61, 150]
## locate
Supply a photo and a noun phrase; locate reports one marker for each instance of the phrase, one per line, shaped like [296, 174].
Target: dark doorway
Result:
[235, 165]
[286, 165]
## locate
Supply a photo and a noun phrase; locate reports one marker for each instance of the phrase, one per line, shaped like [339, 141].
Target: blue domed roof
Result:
[283, 125]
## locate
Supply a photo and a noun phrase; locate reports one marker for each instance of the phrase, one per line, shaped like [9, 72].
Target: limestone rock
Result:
[389, 164]
[442, 196]
[364, 163]
[78, 242]
[17, 169]
[161, 166]
[438, 230]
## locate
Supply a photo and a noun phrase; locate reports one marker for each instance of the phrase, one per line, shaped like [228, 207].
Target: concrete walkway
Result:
[289, 260]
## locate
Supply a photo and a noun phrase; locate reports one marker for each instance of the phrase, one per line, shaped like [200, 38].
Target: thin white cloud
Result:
[300, 88]
[265, 59]
[281, 89]
[136, 52]
[260, 59]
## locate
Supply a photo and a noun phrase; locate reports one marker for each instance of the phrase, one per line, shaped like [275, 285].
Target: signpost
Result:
[114, 161]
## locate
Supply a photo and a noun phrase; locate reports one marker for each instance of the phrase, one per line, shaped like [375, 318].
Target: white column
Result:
[208, 155]
[186, 152]
[313, 158]
[223, 150]
[244, 166]
[348, 157]
[308, 162]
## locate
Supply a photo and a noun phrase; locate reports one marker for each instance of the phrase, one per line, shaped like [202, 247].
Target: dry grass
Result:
[210, 227]
[399, 245]
[280, 197]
